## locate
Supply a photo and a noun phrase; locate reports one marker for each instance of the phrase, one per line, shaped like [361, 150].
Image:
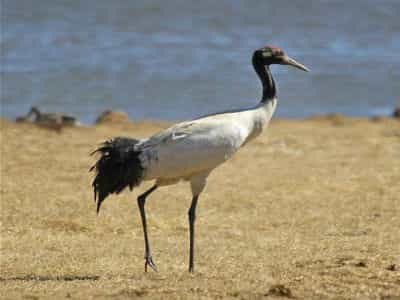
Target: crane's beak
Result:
[286, 60]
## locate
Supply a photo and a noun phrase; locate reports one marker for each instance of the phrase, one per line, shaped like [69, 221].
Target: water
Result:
[177, 60]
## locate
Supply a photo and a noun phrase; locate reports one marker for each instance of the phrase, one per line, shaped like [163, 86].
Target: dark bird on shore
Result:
[49, 120]
[396, 113]
[186, 151]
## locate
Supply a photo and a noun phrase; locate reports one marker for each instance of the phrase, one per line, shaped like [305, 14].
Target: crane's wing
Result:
[166, 136]
[190, 147]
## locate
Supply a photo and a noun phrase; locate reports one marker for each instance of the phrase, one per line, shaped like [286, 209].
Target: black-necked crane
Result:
[186, 151]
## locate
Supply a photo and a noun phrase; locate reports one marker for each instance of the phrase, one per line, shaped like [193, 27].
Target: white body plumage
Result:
[191, 150]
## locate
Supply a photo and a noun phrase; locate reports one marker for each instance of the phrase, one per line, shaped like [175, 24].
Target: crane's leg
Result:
[197, 184]
[192, 219]
[147, 256]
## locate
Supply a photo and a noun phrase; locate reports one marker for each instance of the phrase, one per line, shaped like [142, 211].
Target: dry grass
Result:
[310, 210]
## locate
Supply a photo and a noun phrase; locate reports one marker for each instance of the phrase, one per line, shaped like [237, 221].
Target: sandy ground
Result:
[310, 210]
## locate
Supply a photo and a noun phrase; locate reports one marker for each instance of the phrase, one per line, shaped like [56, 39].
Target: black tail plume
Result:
[119, 166]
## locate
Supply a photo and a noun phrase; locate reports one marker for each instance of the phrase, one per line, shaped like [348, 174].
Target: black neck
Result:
[268, 83]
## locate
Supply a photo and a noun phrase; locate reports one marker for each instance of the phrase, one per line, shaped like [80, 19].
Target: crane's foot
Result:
[149, 262]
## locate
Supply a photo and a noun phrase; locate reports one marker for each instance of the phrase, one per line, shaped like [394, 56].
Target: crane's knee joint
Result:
[141, 200]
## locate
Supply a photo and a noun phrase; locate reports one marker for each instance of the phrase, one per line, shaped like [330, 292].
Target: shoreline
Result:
[122, 116]
[163, 123]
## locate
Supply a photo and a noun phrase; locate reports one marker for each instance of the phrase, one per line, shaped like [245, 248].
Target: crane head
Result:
[269, 55]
